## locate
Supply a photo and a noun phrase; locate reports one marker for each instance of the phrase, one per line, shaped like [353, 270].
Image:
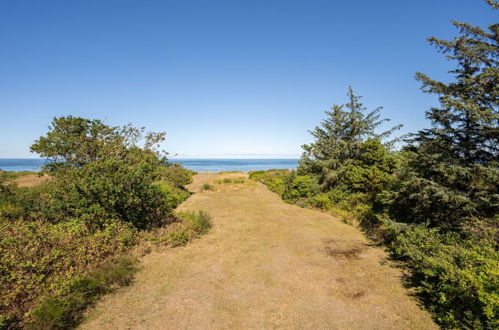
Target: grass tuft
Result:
[207, 187]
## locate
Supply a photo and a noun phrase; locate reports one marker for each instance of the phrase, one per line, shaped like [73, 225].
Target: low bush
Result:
[173, 181]
[199, 221]
[321, 201]
[186, 227]
[38, 258]
[207, 187]
[456, 276]
[275, 180]
[65, 310]
[176, 175]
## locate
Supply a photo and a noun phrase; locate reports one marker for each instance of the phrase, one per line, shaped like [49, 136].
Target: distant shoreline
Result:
[211, 165]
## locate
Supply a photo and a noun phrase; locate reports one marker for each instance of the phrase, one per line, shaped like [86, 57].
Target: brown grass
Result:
[30, 180]
[263, 266]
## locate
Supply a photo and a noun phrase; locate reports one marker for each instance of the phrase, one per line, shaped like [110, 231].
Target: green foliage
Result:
[207, 187]
[101, 174]
[274, 179]
[231, 181]
[173, 181]
[443, 193]
[447, 184]
[110, 189]
[452, 170]
[298, 187]
[458, 277]
[58, 240]
[199, 221]
[75, 142]
[37, 257]
[321, 201]
[65, 310]
[176, 175]
[340, 140]
[186, 227]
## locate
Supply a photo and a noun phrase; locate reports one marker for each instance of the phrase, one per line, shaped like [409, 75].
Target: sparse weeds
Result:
[207, 187]
[231, 181]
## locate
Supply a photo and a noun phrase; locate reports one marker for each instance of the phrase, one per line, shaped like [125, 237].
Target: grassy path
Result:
[264, 264]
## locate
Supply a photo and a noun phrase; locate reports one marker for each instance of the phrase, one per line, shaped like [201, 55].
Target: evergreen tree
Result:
[452, 169]
[338, 141]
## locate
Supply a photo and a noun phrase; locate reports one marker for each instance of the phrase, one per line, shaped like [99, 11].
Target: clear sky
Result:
[222, 78]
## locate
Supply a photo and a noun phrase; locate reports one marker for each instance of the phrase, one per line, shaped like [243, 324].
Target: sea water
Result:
[195, 164]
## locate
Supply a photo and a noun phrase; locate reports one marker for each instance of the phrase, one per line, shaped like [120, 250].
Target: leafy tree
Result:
[452, 168]
[102, 174]
[75, 141]
[338, 141]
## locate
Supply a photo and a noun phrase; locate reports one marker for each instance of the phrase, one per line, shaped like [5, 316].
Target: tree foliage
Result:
[102, 174]
[339, 140]
[452, 171]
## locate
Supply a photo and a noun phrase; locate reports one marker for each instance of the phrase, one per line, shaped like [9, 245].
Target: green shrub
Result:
[178, 237]
[176, 175]
[456, 276]
[186, 227]
[37, 257]
[102, 174]
[275, 180]
[65, 310]
[199, 221]
[174, 196]
[299, 187]
[207, 187]
[109, 189]
[321, 201]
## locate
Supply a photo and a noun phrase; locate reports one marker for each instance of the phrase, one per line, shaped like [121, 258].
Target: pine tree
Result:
[452, 169]
[466, 126]
[338, 141]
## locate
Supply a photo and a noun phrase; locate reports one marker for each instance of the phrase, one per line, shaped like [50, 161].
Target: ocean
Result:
[198, 165]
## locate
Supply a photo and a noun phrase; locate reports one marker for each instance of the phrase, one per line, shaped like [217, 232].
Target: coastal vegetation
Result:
[433, 202]
[76, 235]
[107, 196]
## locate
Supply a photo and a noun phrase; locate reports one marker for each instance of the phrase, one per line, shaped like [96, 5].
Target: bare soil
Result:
[265, 264]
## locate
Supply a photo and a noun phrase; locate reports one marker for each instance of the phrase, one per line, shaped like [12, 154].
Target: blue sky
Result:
[222, 78]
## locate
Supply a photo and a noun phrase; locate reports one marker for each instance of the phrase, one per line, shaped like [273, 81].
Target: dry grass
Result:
[263, 265]
[30, 180]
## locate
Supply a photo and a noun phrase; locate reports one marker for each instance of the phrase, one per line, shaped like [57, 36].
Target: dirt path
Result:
[264, 264]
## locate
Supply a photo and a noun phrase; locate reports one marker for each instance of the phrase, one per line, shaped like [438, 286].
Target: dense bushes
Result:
[101, 173]
[66, 241]
[38, 257]
[456, 275]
